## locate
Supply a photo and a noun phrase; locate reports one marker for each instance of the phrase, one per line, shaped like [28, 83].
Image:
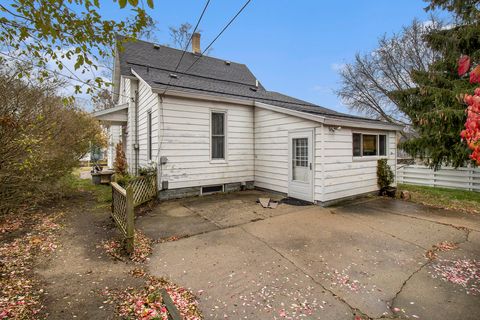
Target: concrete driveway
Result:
[366, 258]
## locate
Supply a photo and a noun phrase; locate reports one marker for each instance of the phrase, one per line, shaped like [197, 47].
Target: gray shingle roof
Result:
[155, 64]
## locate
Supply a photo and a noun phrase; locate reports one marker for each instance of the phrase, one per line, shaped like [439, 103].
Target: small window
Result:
[149, 135]
[369, 145]
[382, 145]
[357, 144]
[218, 135]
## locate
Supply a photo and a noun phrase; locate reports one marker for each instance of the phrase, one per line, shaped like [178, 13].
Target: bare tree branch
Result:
[368, 82]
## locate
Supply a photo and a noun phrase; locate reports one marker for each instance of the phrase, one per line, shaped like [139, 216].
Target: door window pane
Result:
[369, 145]
[300, 159]
[357, 144]
[382, 145]
[218, 135]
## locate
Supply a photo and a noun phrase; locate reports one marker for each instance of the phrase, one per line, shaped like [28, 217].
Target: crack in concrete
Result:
[387, 233]
[392, 301]
[458, 227]
[355, 311]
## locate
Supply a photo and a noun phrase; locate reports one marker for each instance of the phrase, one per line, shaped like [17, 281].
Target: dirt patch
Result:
[78, 271]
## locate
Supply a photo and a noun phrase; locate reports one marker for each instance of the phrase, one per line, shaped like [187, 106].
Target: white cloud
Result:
[338, 66]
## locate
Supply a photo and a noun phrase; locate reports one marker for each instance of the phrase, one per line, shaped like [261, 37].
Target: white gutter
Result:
[354, 123]
[327, 120]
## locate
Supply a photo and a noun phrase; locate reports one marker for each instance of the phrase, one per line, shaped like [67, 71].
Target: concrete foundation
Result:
[197, 191]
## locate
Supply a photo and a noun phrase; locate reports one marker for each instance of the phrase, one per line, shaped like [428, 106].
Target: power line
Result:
[188, 42]
[218, 36]
[194, 30]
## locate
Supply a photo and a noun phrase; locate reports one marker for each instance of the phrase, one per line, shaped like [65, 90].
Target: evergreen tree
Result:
[436, 105]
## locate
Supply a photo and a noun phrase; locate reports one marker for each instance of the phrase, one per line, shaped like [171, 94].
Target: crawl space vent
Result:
[212, 189]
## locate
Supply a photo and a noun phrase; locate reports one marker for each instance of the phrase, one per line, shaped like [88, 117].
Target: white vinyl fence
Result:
[447, 177]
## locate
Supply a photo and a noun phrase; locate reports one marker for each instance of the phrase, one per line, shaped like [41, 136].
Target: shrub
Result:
[147, 170]
[123, 179]
[42, 138]
[120, 164]
[385, 176]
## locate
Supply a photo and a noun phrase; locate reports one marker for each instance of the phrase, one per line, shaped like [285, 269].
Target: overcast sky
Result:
[293, 47]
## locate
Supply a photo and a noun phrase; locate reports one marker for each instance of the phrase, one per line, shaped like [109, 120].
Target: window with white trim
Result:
[366, 145]
[218, 136]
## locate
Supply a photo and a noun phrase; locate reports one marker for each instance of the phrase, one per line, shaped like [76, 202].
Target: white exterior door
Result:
[300, 177]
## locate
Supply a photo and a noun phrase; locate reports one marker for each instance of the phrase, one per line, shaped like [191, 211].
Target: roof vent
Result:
[256, 83]
[156, 46]
[227, 62]
[173, 75]
[253, 89]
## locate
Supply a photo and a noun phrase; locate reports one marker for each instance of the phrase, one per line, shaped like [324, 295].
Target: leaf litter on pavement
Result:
[147, 303]
[23, 237]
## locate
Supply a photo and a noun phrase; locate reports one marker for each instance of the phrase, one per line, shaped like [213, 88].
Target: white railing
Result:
[446, 177]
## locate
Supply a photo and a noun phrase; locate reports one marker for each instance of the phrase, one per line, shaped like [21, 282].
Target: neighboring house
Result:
[216, 128]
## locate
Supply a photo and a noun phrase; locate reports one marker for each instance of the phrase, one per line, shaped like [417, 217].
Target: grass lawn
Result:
[102, 192]
[454, 199]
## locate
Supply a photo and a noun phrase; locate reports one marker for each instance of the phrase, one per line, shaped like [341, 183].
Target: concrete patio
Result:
[364, 258]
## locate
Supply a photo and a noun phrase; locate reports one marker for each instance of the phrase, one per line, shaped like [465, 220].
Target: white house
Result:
[209, 125]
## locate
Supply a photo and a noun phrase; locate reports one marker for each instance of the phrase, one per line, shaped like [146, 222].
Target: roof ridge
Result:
[129, 40]
[191, 74]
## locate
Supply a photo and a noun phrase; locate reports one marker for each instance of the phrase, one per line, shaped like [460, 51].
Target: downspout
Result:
[137, 147]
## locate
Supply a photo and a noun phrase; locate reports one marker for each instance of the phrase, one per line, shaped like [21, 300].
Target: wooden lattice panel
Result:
[119, 207]
[144, 189]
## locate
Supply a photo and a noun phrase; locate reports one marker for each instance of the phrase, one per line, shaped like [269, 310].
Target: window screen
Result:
[149, 135]
[382, 145]
[357, 144]
[369, 145]
[218, 135]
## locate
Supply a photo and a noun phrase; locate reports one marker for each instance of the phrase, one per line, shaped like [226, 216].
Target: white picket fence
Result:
[447, 177]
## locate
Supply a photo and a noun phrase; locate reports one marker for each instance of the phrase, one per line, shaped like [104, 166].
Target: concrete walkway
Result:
[365, 258]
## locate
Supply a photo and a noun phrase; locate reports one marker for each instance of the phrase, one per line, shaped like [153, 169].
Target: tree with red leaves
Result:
[471, 134]
[435, 103]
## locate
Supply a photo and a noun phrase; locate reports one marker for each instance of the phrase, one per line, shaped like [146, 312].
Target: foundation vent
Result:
[212, 189]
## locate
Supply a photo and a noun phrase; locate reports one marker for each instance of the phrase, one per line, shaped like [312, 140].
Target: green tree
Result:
[435, 104]
[52, 31]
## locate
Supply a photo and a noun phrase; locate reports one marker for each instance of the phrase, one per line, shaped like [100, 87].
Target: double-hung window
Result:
[218, 136]
[365, 145]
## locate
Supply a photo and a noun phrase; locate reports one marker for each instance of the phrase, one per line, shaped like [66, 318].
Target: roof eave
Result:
[115, 114]
[353, 123]
[359, 123]
[300, 114]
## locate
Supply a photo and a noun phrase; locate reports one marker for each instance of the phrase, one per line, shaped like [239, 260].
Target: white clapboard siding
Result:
[446, 177]
[185, 141]
[344, 175]
[271, 148]
[147, 102]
